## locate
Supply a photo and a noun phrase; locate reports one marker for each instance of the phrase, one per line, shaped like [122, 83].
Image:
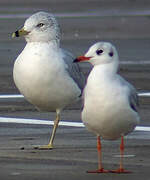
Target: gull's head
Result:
[40, 27]
[100, 53]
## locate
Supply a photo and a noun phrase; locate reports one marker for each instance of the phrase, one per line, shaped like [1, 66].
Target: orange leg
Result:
[100, 168]
[121, 169]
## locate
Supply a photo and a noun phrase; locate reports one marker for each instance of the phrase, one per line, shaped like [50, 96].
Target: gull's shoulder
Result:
[131, 93]
[73, 69]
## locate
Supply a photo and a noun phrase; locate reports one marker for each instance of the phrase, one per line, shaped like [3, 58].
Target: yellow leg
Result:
[50, 144]
[56, 122]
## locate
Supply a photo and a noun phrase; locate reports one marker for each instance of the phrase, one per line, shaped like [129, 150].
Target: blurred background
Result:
[124, 23]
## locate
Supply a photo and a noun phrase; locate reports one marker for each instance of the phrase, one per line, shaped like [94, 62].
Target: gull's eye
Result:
[111, 54]
[40, 25]
[99, 52]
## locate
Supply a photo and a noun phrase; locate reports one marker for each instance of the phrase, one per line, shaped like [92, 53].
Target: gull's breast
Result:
[43, 81]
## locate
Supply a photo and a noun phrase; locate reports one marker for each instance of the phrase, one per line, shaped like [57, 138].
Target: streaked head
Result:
[100, 53]
[40, 27]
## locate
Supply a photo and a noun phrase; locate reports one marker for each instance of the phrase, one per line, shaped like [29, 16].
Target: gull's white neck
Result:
[54, 45]
[103, 72]
[110, 68]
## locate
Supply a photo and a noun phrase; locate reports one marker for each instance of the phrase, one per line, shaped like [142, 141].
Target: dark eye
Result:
[111, 54]
[100, 51]
[40, 25]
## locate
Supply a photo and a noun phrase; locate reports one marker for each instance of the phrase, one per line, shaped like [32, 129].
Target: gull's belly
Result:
[109, 121]
[49, 89]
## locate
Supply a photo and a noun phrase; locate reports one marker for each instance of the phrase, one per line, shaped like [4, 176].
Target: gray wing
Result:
[73, 69]
[132, 95]
[133, 98]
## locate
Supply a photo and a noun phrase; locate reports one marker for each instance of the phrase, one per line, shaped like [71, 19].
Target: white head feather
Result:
[42, 27]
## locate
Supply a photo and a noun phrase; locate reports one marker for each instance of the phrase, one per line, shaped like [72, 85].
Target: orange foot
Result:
[120, 170]
[99, 171]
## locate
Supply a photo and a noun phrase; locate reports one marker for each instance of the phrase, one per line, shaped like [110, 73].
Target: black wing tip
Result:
[75, 60]
[133, 107]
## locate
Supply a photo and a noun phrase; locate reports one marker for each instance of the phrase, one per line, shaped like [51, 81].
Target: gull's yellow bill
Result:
[19, 33]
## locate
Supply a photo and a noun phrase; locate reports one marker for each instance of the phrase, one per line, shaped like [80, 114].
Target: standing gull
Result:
[110, 102]
[44, 73]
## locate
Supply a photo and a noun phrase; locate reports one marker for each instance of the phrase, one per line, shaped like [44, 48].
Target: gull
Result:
[43, 72]
[110, 102]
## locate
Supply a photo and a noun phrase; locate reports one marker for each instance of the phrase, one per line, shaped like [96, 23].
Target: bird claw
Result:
[102, 170]
[119, 171]
[44, 147]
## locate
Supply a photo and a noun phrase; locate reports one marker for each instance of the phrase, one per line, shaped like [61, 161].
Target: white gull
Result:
[43, 72]
[110, 102]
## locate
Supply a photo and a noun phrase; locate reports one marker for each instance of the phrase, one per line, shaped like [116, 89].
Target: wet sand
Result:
[75, 150]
